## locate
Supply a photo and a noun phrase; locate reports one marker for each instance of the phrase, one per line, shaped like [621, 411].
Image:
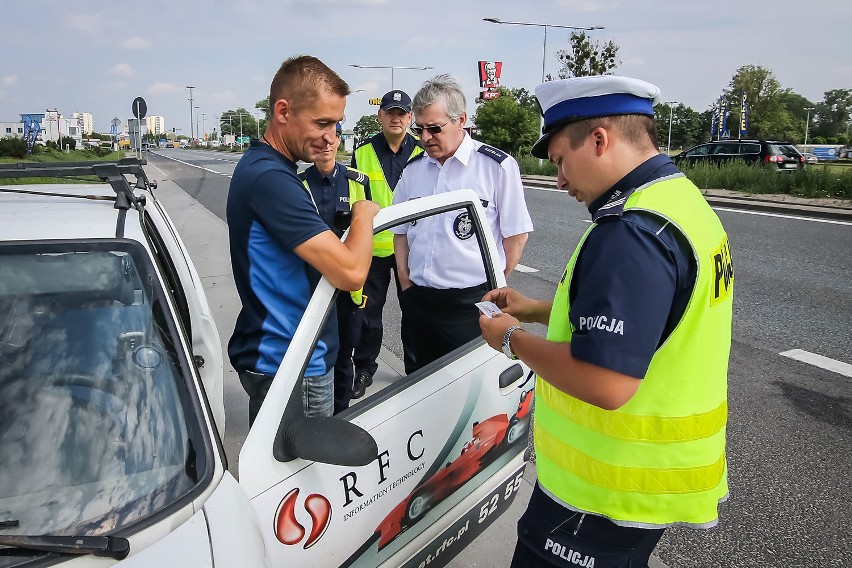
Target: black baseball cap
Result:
[396, 99]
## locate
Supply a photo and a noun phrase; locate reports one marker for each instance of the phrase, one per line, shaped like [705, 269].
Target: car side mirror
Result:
[322, 439]
[327, 440]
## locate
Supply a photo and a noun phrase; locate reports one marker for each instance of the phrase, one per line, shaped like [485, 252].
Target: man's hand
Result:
[365, 207]
[494, 328]
[516, 304]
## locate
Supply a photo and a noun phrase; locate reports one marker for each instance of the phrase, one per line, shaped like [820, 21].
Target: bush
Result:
[534, 166]
[13, 147]
[68, 141]
[814, 181]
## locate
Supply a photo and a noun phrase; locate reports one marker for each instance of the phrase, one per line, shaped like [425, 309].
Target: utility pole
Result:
[190, 110]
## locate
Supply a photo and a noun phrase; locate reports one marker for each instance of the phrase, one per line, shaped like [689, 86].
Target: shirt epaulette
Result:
[494, 153]
[303, 175]
[415, 158]
[356, 176]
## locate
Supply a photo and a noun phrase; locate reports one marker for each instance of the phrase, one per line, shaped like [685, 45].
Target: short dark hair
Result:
[299, 80]
[637, 129]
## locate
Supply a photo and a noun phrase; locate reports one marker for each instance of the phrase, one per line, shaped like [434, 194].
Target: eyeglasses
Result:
[436, 129]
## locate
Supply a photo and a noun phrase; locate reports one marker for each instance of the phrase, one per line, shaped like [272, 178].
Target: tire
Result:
[418, 505]
[516, 431]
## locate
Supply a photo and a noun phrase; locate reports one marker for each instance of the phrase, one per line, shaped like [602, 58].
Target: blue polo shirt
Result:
[392, 162]
[634, 268]
[269, 213]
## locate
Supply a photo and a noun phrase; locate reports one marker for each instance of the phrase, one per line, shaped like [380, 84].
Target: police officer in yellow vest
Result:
[334, 188]
[382, 158]
[631, 387]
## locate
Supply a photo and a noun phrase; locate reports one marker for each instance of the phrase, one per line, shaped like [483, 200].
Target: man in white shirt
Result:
[439, 265]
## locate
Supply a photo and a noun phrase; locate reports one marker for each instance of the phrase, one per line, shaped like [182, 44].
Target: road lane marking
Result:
[819, 361]
[527, 269]
[195, 166]
[783, 216]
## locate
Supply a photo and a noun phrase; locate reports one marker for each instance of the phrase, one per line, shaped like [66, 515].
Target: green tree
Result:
[509, 122]
[689, 126]
[587, 56]
[833, 113]
[367, 126]
[263, 105]
[768, 115]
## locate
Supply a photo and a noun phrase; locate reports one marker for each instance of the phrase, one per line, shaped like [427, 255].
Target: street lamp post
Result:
[195, 140]
[190, 110]
[671, 116]
[203, 128]
[389, 67]
[545, 26]
[807, 123]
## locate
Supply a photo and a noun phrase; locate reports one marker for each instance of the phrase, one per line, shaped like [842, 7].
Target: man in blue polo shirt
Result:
[280, 245]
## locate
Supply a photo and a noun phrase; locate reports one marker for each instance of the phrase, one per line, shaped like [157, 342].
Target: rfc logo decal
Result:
[289, 531]
[723, 273]
[462, 226]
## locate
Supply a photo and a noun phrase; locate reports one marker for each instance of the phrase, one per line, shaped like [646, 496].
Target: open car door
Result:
[413, 472]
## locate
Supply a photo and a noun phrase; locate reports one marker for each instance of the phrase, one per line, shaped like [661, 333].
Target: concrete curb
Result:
[781, 204]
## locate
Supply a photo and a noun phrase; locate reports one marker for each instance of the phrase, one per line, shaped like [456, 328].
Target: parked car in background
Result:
[780, 155]
[810, 158]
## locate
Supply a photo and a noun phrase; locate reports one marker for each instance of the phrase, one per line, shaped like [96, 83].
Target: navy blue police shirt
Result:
[392, 162]
[331, 193]
[270, 213]
[632, 280]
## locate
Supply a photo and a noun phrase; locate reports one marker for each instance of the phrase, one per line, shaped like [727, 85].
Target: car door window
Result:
[698, 151]
[725, 149]
[749, 149]
[449, 441]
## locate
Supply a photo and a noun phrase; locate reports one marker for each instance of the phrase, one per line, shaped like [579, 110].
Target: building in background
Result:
[85, 122]
[155, 124]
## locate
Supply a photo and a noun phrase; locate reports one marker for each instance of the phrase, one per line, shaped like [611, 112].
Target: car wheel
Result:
[517, 430]
[418, 505]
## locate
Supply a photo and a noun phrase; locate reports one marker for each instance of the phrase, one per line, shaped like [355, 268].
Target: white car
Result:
[112, 412]
[810, 158]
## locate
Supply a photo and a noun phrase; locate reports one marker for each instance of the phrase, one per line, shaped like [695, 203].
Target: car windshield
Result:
[94, 403]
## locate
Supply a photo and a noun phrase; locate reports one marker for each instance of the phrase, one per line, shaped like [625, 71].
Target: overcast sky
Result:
[97, 56]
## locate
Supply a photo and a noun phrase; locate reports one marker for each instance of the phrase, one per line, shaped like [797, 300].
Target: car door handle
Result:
[510, 375]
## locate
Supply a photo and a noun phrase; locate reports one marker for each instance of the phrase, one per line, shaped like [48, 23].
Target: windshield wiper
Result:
[112, 546]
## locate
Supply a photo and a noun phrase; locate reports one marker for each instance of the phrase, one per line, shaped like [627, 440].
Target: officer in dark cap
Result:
[631, 387]
[382, 158]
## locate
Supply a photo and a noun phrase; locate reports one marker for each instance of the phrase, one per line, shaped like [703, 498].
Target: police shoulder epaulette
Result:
[414, 159]
[356, 176]
[494, 153]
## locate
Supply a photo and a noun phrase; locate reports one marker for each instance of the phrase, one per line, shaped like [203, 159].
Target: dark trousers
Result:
[376, 289]
[349, 322]
[436, 321]
[256, 386]
[549, 535]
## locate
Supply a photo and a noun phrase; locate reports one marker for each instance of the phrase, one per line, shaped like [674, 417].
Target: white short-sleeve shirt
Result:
[443, 252]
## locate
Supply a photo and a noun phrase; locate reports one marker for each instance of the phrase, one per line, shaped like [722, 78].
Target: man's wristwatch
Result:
[507, 345]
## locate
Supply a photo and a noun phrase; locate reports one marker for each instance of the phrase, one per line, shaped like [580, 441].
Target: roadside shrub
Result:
[814, 181]
[68, 141]
[535, 167]
[13, 147]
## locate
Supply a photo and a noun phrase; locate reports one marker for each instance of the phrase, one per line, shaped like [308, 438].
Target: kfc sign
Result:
[489, 79]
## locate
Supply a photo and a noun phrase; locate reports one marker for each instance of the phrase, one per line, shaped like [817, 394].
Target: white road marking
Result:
[783, 216]
[819, 361]
[527, 269]
[195, 166]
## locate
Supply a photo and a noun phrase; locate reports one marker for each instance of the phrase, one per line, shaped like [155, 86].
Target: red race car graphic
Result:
[289, 531]
[489, 438]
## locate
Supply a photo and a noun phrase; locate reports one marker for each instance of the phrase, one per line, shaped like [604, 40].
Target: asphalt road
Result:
[790, 425]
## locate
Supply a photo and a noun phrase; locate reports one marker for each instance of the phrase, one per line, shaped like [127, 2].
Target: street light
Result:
[545, 26]
[195, 140]
[203, 128]
[671, 115]
[389, 67]
[190, 110]
[807, 123]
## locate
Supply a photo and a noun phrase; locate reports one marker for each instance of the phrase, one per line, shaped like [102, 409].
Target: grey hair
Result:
[443, 88]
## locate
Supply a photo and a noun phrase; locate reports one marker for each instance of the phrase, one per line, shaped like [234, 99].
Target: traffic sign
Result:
[243, 139]
[139, 108]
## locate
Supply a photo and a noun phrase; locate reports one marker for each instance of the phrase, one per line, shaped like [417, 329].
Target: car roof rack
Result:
[110, 172]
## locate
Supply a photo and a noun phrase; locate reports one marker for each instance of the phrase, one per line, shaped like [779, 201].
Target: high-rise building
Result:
[85, 122]
[155, 124]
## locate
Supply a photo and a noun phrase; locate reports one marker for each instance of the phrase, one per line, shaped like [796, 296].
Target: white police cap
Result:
[570, 100]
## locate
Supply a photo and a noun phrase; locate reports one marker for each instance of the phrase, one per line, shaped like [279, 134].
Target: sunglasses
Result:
[418, 130]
